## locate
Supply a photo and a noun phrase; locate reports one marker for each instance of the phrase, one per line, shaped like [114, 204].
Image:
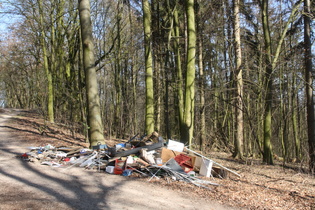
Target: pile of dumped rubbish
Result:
[148, 156]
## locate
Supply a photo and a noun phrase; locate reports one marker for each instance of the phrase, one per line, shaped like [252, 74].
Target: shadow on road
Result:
[75, 187]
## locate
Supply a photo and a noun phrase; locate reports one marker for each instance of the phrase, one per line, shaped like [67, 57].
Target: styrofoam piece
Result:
[206, 167]
[129, 160]
[110, 169]
[175, 146]
[34, 148]
[61, 154]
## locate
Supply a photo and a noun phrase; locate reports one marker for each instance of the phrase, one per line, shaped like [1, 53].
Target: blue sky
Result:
[5, 18]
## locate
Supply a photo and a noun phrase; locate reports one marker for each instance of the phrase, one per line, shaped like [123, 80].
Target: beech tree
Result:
[190, 74]
[50, 103]
[271, 60]
[96, 134]
[149, 111]
[200, 26]
[267, 157]
[239, 140]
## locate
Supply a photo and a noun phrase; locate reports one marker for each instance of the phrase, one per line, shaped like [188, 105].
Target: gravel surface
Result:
[26, 185]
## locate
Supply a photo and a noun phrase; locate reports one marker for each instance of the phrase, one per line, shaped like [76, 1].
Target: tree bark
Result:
[267, 156]
[239, 84]
[95, 125]
[133, 74]
[179, 73]
[294, 105]
[50, 101]
[309, 86]
[270, 62]
[190, 73]
[149, 112]
[118, 77]
[202, 137]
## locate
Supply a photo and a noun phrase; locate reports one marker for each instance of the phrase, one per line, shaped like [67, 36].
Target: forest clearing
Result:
[259, 187]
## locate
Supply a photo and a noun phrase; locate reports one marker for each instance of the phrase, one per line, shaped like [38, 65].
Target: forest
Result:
[231, 75]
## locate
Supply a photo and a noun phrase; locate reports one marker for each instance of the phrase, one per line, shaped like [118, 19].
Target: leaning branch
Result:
[106, 54]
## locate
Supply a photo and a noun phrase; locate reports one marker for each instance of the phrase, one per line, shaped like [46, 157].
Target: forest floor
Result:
[27, 185]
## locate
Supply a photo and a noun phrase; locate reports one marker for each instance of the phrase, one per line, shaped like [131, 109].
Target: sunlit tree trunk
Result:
[149, 112]
[202, 137]
[96, 135]
[158, 93]
[158, 43]
[267, 156]
[50, 101]
[190, 73]
[239, 84]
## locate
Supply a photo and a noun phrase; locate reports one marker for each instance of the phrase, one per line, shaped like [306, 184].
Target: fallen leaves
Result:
[259, 187]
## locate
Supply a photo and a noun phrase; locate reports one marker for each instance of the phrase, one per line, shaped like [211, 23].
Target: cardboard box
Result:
[167, 154]
[197, 161]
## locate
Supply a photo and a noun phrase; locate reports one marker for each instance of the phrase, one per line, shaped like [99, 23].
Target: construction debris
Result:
[150, 156]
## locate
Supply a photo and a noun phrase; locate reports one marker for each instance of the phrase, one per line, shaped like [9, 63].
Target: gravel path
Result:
[25, 185]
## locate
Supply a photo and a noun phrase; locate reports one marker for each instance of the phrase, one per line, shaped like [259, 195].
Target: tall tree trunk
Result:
[267, 156]
[133, 75]
[309, 86]
[166, 103]
[158, 91]
[118, 76]
[239, 84]
[202, 129]
[190, 73]
[179, 73]
[96, 134]
[50, 101]
[149, 112]
[270, 66]
[294, 106]
[202, 95]
[157, 60]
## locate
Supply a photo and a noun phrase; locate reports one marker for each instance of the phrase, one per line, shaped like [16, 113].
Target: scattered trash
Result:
[159, 161]
[127, 172]
[175, 146]
[110, 169]
[51, 163]
[119, 166]
[146, 156]
[24, 155]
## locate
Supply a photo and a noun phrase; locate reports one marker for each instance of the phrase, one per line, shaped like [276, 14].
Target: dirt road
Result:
[25, 185]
